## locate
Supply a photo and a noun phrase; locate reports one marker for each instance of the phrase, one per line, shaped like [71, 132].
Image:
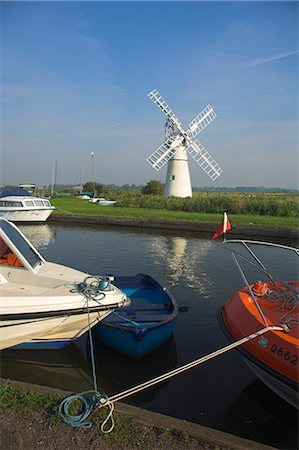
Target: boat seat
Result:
[131, 310]
[156, 307]
[136, 318]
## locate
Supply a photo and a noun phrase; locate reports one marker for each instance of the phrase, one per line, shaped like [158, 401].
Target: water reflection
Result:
[253, 411]
[40, 235]
[69, 369]
[117, 372]
[182, 260]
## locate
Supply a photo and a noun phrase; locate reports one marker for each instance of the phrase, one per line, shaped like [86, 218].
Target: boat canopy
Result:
[4, 192]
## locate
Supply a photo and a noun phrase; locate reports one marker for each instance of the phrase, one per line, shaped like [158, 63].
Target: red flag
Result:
[223, 227]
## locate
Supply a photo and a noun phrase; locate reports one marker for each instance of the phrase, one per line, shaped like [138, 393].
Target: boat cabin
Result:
[20, 262]
[15, 249]
[13, 202]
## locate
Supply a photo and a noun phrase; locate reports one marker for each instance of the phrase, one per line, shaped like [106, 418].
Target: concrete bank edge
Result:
[153, 419]
[288, 233]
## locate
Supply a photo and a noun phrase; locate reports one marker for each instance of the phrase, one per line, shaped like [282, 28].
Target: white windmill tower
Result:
[176, 147]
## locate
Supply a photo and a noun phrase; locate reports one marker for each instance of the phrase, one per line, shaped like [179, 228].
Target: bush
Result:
[153, 187]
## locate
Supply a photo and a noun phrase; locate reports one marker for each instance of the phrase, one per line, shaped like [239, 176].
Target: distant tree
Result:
[153, 187]
[90, 186]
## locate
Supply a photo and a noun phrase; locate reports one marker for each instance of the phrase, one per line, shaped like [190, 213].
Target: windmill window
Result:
[172, 177]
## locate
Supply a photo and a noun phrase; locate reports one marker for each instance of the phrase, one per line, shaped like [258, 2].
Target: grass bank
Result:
[85, 208]
[31, 420]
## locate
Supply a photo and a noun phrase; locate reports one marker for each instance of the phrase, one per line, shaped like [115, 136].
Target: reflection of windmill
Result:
[182, 262]
[178, 143]
[41, 235]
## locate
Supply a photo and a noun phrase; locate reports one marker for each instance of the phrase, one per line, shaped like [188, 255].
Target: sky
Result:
[75, 79]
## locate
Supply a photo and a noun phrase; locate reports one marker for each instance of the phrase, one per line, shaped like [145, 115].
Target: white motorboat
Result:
[46, 302]
[23, 207]
[104, 202]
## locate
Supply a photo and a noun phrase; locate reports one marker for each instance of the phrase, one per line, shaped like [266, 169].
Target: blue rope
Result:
[89, 398]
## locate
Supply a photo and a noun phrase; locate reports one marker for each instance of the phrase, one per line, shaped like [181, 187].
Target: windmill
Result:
[176, 147]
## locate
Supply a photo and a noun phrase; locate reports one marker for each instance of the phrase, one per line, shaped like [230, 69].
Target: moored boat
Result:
[273, 357]
[146, 323]
[17, 205]
[43, 302]
[105, 202]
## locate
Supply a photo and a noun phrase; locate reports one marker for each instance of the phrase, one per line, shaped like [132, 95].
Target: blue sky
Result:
[76, 77]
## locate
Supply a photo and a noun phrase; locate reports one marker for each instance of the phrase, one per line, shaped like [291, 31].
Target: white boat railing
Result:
[258, 264]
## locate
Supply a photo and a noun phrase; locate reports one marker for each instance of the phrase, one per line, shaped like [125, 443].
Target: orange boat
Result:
[273, 356]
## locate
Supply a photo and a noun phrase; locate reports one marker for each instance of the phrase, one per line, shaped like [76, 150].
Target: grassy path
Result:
[85, 208]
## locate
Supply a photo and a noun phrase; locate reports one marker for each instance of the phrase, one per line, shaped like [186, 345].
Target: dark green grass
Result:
[85, 208]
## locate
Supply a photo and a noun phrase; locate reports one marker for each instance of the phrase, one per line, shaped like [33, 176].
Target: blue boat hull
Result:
[135, 343]
[146, 324]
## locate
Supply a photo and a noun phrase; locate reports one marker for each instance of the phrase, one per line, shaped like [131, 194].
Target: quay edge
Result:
[201, 227]
[153, 419]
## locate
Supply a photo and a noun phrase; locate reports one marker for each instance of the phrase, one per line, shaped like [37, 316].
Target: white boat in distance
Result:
[104, 202]
[19, 206]
[43, 302]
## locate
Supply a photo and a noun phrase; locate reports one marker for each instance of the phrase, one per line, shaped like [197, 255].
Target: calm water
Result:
[200, 273]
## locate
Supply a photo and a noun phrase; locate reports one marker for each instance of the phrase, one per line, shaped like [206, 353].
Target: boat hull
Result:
[273, 356]
[135, 342]
[143, 326]
[281, 388]
[57, 330]
[106, 203]
[26, 215]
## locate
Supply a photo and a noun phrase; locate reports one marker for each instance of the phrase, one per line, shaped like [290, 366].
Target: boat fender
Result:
[260, 289]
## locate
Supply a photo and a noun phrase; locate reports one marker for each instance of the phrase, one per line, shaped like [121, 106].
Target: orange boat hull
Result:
[276, 352]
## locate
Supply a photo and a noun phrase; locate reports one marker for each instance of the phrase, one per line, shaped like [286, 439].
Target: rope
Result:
[159, 379]
[90, 399]
[106, 402]
[90, 288]
[93, 400]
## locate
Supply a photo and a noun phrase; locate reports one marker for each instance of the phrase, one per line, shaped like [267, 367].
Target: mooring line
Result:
[172, 373]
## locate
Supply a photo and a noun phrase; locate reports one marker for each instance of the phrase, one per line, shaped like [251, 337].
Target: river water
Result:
[200, 273]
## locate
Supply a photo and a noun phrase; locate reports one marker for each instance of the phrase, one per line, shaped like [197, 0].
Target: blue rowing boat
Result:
[143, 326]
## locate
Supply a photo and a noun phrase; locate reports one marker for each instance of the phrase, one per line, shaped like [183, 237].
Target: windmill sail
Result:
[201, 121]
[205, 160]
[163, 153]
[161, 103]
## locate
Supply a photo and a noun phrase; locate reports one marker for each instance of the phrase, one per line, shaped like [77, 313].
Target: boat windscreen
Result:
[20, 243]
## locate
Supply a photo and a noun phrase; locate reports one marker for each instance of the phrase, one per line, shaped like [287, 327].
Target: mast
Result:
[54, 175]
[81, 177]
[92, 172]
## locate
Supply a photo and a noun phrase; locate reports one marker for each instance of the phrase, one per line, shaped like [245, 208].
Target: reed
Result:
[283, 205]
